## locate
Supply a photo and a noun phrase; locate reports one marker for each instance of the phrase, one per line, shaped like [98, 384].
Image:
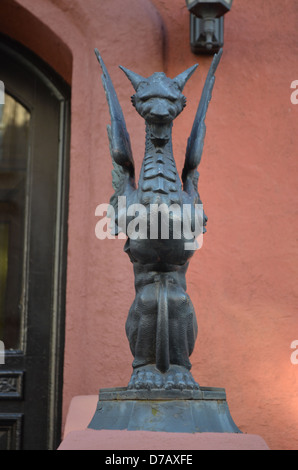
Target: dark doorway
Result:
[34, 144]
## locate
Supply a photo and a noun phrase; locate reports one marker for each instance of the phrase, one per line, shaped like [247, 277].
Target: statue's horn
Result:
[184, 76]
[133, 77]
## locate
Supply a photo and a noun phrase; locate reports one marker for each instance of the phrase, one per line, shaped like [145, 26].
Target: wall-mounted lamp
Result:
[207, 24]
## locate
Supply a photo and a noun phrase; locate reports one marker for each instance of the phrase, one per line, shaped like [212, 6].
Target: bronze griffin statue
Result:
[161, 326]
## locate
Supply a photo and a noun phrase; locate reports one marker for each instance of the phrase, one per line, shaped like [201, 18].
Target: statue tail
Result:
[162, 329]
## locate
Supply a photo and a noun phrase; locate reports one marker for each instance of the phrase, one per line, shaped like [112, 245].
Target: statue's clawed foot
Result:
[180, 378]
[150, 378]
[146, 378]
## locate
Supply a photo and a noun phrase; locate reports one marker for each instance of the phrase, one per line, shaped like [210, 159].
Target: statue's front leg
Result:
[141, 326]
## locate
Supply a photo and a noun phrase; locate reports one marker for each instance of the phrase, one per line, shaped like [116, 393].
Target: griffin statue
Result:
[161, 326]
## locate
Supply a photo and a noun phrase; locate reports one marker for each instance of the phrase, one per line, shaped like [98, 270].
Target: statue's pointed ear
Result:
[133, 77]
[184, 76]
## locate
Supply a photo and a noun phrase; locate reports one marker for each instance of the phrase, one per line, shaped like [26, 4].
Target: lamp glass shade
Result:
[214, 8]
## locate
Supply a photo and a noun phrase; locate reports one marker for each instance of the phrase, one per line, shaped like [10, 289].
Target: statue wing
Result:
[123, 173]
[195, 142]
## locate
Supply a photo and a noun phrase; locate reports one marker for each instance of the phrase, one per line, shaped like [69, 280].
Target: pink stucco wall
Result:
[243, 282]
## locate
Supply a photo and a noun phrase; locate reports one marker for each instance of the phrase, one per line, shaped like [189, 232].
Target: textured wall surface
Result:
[243, 282]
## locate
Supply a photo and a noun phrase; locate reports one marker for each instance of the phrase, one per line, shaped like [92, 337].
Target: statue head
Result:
[159, 99]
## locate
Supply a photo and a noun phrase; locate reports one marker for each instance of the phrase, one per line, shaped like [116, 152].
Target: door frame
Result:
[56, 86]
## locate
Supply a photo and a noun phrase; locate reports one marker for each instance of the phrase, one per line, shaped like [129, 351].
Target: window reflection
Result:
[14, 129]
[14, 145]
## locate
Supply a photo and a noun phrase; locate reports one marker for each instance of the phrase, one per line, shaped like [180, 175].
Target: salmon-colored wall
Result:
[243, 282]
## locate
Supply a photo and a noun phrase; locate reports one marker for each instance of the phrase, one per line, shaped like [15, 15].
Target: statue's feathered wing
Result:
[195, 142]
[120, 147]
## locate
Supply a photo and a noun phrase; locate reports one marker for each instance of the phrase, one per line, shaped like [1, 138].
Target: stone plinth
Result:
[189, 411]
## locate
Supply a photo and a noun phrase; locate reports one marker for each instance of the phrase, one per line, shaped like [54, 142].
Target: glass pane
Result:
[14, 146]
